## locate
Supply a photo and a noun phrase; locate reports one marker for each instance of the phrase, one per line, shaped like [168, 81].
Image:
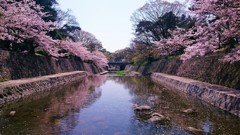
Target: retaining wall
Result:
[219, 96]
[206, 68]
[16, 65]
[16, 89]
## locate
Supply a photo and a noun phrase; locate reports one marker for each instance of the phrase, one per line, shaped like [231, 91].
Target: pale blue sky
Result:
[108, 20]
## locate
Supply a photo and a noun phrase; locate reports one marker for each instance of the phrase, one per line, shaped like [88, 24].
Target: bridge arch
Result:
[121, 65]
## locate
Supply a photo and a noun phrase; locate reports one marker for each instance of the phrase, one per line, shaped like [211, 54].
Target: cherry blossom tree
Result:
[89, 41]
[77, 49]
[74, 49]
[22, 21]
[217, 26]
[176, 42]
[99, 59]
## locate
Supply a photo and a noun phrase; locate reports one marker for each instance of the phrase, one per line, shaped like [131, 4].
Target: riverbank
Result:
[17, 65]
[16, 89]
[219, 96]
[205, 68]
[91, 106]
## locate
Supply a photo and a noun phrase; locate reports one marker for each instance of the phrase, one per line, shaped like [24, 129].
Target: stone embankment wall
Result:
[16, 89]
[208, 69]
[15, 66]
[219, 96]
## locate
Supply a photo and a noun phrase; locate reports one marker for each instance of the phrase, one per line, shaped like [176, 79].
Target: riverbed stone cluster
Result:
[146, 112]
[222, 97]
[16, 89]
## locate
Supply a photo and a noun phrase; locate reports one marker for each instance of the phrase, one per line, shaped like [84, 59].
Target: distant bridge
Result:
[121, 65]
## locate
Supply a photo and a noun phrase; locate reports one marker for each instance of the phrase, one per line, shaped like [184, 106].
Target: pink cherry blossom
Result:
[217, 26]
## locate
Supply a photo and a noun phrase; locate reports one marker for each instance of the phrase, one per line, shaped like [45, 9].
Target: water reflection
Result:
[171, 104]
[42, 113]
[104, 105]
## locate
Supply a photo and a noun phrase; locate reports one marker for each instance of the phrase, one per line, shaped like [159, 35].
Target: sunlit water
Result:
[104, 106]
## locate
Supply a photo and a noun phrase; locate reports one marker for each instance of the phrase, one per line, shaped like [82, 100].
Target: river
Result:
[104, 105]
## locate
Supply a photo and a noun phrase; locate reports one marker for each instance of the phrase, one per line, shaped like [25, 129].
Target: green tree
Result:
[48, 7]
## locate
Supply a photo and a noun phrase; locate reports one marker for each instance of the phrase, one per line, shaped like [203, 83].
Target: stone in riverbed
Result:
[12, 113]
[195, 130]
[156, 117]
[189, 111]
[166, 107]
[142, 108]
[157, 114]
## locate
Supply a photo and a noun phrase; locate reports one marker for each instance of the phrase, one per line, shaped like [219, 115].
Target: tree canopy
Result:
[30, 25]
[165, 29]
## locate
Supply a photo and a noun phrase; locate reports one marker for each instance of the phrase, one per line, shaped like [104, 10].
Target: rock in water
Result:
[157, 114]
[142, 108]
[12, 113]
[188, 111]
[195, 130]
[156, 117]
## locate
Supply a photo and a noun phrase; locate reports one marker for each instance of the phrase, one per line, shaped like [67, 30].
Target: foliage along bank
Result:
[199, 28]
[33, 26]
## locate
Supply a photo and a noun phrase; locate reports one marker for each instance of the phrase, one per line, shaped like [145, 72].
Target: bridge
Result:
[121, 65]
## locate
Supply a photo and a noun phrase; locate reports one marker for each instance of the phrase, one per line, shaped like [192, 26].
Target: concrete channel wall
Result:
[219, 96]
[15, 66]
[16, 89]
[210, 69]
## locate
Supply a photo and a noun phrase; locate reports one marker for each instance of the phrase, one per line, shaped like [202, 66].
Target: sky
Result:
[108, 20]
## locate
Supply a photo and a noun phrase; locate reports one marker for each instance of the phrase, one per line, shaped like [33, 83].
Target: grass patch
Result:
[40, 52]
[121, 73]
[172, 57]
[3, 80]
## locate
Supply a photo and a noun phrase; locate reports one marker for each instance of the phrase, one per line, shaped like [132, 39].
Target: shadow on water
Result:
[41, 113]
[104, 105]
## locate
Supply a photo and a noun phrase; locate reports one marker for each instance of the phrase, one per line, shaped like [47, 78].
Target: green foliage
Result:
[88, 61]
[58, 34]
[137, 60]
[153, 23]
[48, 8]
[172, 57]
[41, 52]
[121, 73]
[221, 49]
[226, 48]
[106, 53]
[3, 80]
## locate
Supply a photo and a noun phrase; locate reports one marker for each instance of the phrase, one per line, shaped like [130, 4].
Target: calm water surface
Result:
[104, 106]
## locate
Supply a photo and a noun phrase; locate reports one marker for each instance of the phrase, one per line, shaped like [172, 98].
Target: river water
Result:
[103, 105]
